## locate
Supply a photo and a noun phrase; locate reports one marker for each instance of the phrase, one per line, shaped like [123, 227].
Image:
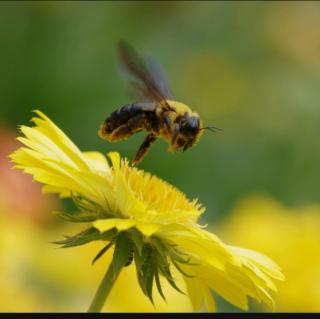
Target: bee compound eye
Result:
[193, 123]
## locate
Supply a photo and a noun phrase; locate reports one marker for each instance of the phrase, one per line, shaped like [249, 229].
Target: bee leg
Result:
[144, 148]
[175, 133]
[167, 121]
[121, 133]
[176, 130]
[163, 113]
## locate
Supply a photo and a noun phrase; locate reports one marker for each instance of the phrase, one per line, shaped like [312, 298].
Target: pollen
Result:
[161, 197]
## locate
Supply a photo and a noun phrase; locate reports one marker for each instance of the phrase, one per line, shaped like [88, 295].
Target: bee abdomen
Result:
[124, 114]
[118, 118]
[129, 119]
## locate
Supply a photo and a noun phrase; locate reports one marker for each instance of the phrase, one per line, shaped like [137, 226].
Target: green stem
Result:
[104, 289]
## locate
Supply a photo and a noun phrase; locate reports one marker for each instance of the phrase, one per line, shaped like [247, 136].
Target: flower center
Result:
[168, 203]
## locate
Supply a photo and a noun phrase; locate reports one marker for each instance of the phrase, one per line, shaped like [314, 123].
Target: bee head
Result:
[188, 133]
[189, 125]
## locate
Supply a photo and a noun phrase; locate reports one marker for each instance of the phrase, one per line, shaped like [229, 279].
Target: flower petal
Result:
[98, 162]
[123, 224]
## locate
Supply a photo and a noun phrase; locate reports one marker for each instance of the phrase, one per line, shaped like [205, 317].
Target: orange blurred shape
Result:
[20, 196]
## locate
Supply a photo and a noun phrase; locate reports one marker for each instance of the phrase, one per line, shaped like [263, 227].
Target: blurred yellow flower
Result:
[146, 220]
[45, 279]
[295, 31]
[289, 235]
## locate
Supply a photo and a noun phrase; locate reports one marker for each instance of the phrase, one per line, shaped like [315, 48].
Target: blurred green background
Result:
[250, 68]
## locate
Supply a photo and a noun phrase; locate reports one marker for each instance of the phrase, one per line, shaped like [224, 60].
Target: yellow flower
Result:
[146, 220]
[292, 237]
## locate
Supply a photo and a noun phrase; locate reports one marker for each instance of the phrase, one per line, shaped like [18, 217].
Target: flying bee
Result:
[158, 113]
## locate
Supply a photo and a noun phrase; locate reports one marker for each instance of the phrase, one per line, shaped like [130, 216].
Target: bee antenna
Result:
[213, 129]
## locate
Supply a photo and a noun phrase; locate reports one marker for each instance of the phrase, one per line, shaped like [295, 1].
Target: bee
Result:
[157, 113]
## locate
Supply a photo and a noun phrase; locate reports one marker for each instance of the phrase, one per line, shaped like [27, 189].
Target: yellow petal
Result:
[147, 229]
[194, 292]
[98, 162]
[128, 205]
[56, 134]
[197, 242]
[62, 192]
[208, 299]
[262, 261]
[222, 284]
[123, 224]
[106, 224]
[115, 159]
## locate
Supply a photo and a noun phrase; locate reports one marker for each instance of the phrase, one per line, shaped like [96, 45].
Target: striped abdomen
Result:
[128, 120]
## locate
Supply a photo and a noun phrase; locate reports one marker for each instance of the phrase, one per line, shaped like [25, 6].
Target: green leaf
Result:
[129, 261]
[86, 236]
[164, 267]
[78, 217]
[142, 258]
[122, 252]
[161, 257]
[173, 284]
[102, 252]
[180, 270]
[141, 281]
[87, 205]
[158, 283]
[146, 267]
[179, 256]
[148, 270]
[138, 259]
[137, 239]
[161, 248]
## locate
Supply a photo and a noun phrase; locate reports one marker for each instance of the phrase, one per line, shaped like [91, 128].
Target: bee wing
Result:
[158, 77]
[145, 82]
